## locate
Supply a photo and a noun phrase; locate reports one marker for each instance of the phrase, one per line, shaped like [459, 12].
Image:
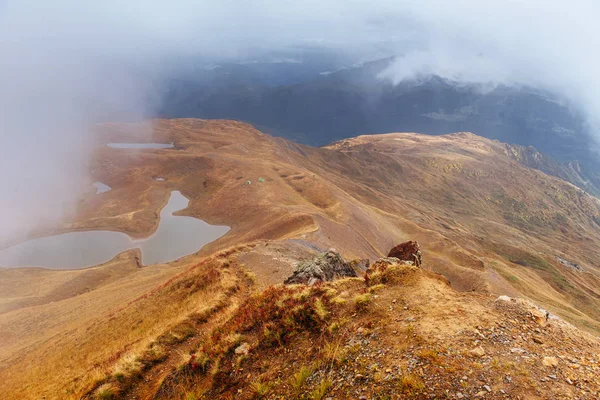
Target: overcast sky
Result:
[67, 63]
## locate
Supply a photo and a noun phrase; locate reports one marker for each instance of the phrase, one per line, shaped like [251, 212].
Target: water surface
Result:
[101, 187]
[176, 236]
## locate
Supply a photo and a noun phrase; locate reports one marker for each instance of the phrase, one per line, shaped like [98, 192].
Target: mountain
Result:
[317, 109]
[488, 225]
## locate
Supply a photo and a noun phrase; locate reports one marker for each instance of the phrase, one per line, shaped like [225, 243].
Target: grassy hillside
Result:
[486, 222]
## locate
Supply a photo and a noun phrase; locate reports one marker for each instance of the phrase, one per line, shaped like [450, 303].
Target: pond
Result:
[101, 187]
[176, 236]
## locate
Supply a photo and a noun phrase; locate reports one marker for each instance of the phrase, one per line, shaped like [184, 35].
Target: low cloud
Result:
[67, 64]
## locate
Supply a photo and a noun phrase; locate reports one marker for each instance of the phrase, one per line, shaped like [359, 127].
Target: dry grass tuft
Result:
[321, 390]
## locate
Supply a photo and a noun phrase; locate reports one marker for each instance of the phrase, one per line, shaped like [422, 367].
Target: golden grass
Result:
[298, 380]
[321, 390]
[73, 363]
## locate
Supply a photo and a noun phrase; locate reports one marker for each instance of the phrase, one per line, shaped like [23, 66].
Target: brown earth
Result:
[484, 221]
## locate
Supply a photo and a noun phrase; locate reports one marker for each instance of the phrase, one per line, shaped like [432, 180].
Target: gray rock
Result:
[321, 268]
[243, 349]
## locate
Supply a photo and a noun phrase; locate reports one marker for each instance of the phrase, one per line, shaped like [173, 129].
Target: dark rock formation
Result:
[407, 251]
[323, 267]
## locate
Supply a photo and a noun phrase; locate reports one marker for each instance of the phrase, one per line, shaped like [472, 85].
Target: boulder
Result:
[407, 251]
[478, 352]
[321, 268]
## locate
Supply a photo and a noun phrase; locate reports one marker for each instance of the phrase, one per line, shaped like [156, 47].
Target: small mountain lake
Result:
[101, 187]
[176, 236]
[141, 145]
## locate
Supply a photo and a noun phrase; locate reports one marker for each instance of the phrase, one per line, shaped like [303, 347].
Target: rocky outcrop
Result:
[569, 264]
[321, 268]
[407, 251]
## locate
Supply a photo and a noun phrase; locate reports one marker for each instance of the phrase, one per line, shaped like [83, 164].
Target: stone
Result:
[478, 352]
[459, 395]
[503, 298]
[550, 362]
[538, 340]
[540, 316]
[242, 349]
[407, 251]
[323, 267]
[486, 387]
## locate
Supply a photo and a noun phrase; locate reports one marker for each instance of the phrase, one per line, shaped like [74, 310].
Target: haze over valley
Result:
[316, 200]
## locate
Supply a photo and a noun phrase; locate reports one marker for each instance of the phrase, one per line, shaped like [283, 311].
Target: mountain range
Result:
[294, 101]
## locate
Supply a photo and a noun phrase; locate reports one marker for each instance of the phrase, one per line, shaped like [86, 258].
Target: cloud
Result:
[542, 44]
[67, 64]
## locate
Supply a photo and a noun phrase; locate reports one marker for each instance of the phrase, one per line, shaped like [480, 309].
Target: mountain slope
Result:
[485, 221]
[319, 109]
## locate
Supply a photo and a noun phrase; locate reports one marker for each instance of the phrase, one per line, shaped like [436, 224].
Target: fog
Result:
[67, 64]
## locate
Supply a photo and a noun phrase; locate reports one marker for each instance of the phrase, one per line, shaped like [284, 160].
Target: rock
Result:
[550, 362]
[360, 265]
[540, 316]
[459, 395]
[570, 264]
[480, 394]
[538, 340]
[517, 350]
[503, 298]
[486, 387]
[407, 251]
[321, 268]
[243, 349]
[478, 352]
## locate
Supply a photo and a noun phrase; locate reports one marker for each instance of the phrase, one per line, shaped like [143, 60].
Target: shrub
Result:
[362, 301]
[106, 391]
[411, 383]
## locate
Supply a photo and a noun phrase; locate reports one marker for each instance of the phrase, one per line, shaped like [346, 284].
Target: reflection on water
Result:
[175, 237]
[101, 187]
[141, 145]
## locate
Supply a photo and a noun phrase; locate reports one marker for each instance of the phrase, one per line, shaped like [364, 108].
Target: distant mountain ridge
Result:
[317, 109]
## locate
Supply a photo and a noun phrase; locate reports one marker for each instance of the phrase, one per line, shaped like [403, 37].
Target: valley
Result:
[488, 225]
